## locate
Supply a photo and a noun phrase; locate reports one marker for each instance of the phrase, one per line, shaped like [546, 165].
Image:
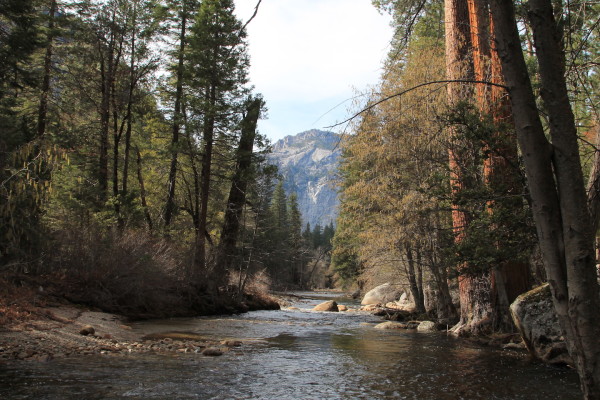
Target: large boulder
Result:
[327, 306]
[381, 294]
[534, 316]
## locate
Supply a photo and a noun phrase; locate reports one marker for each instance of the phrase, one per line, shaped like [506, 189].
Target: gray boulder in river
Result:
[381, 294]
[534, 316]
[427, 326]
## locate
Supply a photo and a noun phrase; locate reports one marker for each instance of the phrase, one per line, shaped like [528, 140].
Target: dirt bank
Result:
[66, 331]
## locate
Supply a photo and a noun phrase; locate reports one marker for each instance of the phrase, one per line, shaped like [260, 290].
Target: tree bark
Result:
[556, 183]
[512, 277]
[415, 290]
[143, 190]
[129, 113]
[474, 287]
[205, 176]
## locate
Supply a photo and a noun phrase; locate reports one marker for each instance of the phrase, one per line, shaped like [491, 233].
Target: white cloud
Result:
[304, 52]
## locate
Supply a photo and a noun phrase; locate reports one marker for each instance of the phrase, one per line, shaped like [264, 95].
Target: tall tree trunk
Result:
[474, 288]
[106, 74]
[512, 278]
[445, 306]
[45, 89]
[205, 176]
[129, 113]
[415, 290]
[117, 134]
[565, 229]
[480, 40]
[239, 183]
[177, 116]
[143, 190]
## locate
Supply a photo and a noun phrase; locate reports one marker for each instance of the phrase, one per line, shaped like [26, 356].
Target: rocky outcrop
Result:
[330, 306]
[534, 316]
[308, 163]
[381, 294]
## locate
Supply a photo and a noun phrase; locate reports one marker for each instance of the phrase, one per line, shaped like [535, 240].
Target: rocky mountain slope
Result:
[308, 162]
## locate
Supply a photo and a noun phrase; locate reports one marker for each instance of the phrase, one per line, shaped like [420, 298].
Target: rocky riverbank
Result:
[68, 331]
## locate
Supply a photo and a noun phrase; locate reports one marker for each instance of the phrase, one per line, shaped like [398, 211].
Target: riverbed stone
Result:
[342, 307]
[231, 343]
[382, 294]
[427, 326]
[212, 352]
[87, 330]
[330, 306]
[390, 325]
[534, 316]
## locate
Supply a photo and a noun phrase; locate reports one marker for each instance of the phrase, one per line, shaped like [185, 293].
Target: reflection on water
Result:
[302, 355]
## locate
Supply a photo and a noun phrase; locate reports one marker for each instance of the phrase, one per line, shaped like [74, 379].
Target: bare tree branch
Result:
[253, 15]
[410, 90]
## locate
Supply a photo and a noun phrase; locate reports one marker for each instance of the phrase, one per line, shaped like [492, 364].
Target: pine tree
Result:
[295, 239]
[217, 74]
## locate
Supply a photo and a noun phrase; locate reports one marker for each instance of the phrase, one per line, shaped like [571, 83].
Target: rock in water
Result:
[381, 295]
[534, 316]
[426, 326]
[212, 352]
[342, 307]
[391, 325]
[327, 306]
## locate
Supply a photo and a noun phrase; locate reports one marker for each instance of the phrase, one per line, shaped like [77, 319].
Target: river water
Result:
[297, 354]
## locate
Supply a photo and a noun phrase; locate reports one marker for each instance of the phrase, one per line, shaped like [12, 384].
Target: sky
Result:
[308, 56]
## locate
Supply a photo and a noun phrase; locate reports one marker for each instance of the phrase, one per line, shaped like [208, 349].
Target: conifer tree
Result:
[218, 65]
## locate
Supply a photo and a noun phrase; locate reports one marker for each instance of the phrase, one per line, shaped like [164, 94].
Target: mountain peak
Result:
[308, 162]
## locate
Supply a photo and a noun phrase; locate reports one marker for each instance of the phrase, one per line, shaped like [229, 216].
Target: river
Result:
[297, 354]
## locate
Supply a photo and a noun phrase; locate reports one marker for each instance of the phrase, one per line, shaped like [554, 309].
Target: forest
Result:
[472, 172]
[133, 177]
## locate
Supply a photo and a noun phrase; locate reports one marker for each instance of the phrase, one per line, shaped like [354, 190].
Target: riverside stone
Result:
[534, 316]
[427, 326]
[231, 343]
[382, 294]
[87, 330]
[390, 325]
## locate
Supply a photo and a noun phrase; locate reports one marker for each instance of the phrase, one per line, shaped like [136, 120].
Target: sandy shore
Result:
[61, 332]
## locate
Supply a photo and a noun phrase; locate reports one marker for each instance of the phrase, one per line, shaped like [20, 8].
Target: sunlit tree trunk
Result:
[512, 277]
[474, 288]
